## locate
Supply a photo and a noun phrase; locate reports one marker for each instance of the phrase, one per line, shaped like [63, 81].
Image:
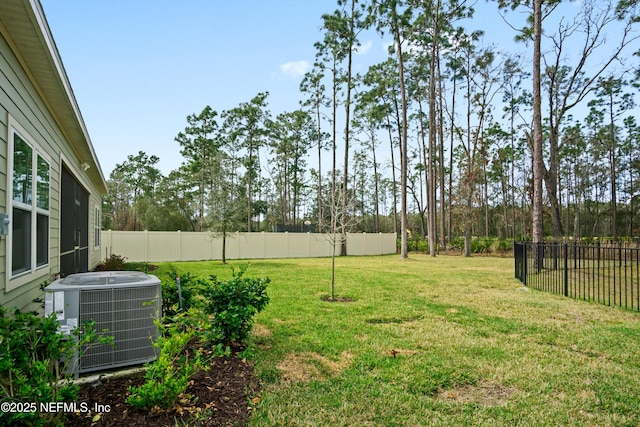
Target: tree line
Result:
[445, 138]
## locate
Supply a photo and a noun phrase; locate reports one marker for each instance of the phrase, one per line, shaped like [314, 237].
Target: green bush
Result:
[479, 245]
[503, 245]
[191, 289]
[233, 304]
[113, 263]
[457, 243]
[30, 369]
[418, 245]
[168, 376]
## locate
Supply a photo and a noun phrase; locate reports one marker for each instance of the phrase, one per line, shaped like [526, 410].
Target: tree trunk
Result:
[319, 130]
[333, 147]
[224, 245]
[431, 187]
[443, 238]
[347, 109]
[451, 146]
[403, 146]
[614, 178]
[393, 179]
[505, 200]
[467, 232]
[537, 214]
[486, 196]
[376, 195]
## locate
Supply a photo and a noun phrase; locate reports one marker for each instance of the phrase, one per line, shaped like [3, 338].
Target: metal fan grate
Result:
[128, 314]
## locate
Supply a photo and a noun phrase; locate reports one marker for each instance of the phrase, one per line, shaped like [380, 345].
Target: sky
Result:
[139, 68]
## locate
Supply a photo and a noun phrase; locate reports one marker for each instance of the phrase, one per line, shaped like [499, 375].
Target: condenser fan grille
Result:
[128, 314]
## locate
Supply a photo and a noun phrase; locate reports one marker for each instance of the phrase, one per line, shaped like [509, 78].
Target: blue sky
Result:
[138, 68]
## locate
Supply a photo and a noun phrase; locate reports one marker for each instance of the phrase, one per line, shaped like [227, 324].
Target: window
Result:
[29, 207]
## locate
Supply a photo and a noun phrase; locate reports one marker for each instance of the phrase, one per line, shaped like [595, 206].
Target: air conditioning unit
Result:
[123, 304]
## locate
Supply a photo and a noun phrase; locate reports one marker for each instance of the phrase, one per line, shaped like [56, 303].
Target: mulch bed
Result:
[220, 396]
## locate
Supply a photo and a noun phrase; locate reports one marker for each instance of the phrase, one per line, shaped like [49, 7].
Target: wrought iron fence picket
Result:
[609, 275]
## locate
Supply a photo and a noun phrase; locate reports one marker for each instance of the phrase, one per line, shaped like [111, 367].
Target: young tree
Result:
[336, 229]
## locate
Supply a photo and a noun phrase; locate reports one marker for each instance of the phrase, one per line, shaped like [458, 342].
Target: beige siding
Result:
[3, 179]
[20, 100]
[162, 246]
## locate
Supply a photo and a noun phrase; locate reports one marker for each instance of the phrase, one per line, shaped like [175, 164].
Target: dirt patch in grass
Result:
[335, 366]
[296, 368]
[386, 320]
[327, 298]
[488, 394]
[261, 331]
[308, 366]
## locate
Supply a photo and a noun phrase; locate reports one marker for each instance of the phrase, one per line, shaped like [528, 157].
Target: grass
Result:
[435, 341]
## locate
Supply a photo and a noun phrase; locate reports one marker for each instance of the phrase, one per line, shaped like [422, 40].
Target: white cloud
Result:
[363, 48]
[295, 68]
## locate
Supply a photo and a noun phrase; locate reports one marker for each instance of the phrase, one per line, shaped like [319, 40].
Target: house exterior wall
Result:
[23, 109]
[165, 246]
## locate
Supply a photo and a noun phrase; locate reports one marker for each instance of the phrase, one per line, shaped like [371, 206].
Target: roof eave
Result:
[45, 67]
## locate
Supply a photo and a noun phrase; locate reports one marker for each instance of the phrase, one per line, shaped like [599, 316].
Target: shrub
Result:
[168, 376]
[503, 245]
[191, 289]
[233, 304]
[457, 243]
[113, 263]
[414, 244]
[481, 245]
[30, 369]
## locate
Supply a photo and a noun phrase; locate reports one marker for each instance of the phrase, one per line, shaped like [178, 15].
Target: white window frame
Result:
[96, 226]
[35, 271]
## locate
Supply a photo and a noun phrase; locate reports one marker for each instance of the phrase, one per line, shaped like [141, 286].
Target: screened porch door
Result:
[74, 226]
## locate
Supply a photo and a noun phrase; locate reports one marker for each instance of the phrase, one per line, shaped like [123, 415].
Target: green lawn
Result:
[446, 341]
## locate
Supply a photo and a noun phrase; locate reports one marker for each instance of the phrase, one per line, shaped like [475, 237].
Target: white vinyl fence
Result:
[159, 246]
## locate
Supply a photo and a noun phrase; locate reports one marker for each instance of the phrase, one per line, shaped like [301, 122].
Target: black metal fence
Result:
[607, 274]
